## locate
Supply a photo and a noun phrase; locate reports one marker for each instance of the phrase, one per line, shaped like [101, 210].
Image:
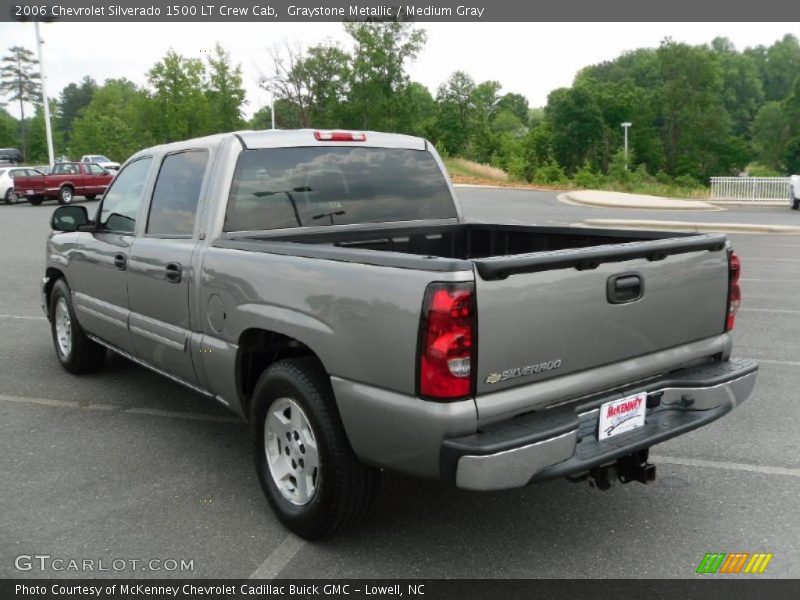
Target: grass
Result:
[466, 171]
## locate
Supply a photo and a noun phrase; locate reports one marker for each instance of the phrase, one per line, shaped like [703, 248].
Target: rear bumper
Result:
[563, 440]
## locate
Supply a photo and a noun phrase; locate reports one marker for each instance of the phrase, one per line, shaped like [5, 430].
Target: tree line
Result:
[697, 110]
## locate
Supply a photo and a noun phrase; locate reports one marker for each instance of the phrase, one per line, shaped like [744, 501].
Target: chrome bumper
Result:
[563, 441]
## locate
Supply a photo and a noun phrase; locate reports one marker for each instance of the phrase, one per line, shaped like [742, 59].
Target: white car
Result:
[794, 192]
[101, 160]
[7, 176]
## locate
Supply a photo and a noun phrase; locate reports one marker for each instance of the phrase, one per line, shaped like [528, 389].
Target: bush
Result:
[663, 178]
[550, 172]
[760, 170]
[686, 181]
[585, 177]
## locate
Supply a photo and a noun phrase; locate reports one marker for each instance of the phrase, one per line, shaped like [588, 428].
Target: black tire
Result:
[66, 194]
[796, 204]
[11, 196]
[35, 200]
[83, 354]
[345, 488]
[90, 196]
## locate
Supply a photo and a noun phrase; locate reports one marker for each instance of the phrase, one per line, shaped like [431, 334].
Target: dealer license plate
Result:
[624, 414]
[30, 191]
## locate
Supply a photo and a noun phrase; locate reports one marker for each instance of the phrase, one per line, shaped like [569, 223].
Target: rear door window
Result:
[177, 193]
[276, 188]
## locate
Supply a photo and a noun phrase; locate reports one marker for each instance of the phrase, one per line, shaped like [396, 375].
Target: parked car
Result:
[7, 178]
[10, 156]
[324, 285]
[101, 160]
[794, 192]
[64, 182]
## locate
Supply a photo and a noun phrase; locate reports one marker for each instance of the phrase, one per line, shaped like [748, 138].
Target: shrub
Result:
[550, 172]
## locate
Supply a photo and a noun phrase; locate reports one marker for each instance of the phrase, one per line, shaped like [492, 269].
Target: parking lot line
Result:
[171, 414]
[23, 317]
[727, 466]
[787, 311]
[279, 558]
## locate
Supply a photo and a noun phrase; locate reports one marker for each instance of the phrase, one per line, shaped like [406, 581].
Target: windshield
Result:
[99, 159]
[276, 188]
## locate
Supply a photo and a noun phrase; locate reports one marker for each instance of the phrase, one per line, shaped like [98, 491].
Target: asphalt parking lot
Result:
[127, 465]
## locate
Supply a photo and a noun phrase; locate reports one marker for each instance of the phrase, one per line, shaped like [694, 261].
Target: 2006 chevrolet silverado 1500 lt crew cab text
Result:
[324, 285]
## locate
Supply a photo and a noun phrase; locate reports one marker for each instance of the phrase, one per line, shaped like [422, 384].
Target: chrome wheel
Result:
[66, 195]
[291, 450]
[63, 327]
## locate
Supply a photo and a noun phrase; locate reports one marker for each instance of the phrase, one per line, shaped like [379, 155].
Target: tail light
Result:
[447, 353]
[734, 291]
[339, 136]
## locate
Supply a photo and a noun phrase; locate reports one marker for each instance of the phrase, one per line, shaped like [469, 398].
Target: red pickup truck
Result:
[65, 181]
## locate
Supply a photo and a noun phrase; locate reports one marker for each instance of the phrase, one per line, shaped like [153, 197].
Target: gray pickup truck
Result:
[325, 286]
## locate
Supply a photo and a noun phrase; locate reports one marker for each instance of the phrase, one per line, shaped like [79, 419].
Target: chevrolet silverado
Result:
[325, 286]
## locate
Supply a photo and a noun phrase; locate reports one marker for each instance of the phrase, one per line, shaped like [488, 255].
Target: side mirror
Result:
[69, 218]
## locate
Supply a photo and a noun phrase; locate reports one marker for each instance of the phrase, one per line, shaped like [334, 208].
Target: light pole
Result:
[625, 126]
[272, 108]
[45, 101]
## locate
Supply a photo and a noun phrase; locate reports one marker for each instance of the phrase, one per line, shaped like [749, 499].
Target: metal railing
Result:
[750, 190]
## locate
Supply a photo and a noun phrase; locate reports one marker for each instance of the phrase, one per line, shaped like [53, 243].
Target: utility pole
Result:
[625, 126]
[45, 101]
[272, 108]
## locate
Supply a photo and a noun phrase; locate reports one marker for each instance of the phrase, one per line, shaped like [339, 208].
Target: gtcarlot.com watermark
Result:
[57, 564]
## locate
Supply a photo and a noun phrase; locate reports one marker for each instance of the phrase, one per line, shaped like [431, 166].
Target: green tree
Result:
[74, 98]
[770, 134]
[225, 93]
[455, 108]
[378, 75]
[516, 104]
[179, 95]
[20, 82]
[576, 124]
[117, 122]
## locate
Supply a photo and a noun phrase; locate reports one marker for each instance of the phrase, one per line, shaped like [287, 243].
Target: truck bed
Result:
[497, 250]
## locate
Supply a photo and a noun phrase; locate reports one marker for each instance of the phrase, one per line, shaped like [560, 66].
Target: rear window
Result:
[276, 188]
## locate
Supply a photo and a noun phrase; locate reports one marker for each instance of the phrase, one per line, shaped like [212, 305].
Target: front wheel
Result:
[11, 196]
[65, 195]
[76, 352]
[310, 475]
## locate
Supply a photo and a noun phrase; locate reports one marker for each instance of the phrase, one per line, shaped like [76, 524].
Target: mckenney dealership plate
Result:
[624, 414]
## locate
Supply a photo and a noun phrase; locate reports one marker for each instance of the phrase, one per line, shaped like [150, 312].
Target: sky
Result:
[527, 58]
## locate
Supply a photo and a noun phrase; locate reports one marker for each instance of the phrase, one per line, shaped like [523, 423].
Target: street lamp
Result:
[625, 126]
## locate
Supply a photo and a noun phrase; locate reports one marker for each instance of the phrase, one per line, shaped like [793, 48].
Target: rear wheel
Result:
[10, 197]
[65, 195]
[90, 196]
[310, 475]
[35, 200]
[796, 204]
[75, 351]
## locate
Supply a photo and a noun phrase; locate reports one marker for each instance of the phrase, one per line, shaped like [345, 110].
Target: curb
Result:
[681, 226]
[571, 198]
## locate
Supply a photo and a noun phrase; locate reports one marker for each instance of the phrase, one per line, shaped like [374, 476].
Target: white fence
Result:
[750, 190]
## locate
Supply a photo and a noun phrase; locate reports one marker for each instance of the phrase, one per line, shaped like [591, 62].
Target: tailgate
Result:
[548, 314]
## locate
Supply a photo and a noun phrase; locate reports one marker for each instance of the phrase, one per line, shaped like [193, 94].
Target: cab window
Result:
[122, 200]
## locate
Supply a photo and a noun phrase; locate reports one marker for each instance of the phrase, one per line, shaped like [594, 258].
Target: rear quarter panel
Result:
[361, 320]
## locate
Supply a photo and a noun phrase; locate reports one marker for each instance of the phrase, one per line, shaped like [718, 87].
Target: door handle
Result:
[174, 272]
[121, 261]
[624, 288]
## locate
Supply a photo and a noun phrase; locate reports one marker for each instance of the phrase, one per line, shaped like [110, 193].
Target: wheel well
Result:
[69, 185]
[258, 349]
[52, 275]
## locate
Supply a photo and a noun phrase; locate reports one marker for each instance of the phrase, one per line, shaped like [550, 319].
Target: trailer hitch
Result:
[633, 467]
